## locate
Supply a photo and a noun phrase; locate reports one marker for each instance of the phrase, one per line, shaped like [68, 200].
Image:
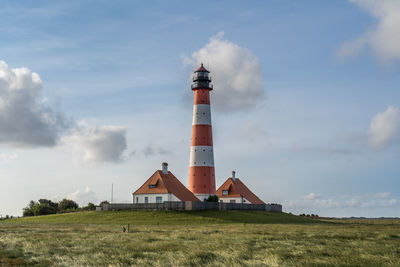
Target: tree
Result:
[43, 209]
[28, 211]
[31, 204]
[90, 206]
[48, 202]
[67, 204]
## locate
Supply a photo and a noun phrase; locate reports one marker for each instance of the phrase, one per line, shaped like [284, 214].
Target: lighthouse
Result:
[201, 166]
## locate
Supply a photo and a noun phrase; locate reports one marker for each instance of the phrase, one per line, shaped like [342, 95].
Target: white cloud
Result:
[8, 157]
[83, 197]
[252, 130]
[152, 150]
[99, 144]
[26, 120]
[235, 70]
[384, 39]
[382, 195]
[384, 128]
[314, 201]
[326, 150]
[312, 196]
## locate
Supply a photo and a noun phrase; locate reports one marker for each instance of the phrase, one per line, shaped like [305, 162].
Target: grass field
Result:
[209, 238]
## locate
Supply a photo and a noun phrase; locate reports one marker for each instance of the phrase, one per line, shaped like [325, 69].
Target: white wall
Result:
[237, 200]
[152, 197]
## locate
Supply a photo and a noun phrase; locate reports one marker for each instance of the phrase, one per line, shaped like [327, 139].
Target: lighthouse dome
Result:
[201, 69]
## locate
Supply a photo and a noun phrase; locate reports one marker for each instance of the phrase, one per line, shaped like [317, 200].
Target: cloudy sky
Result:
[306, 100]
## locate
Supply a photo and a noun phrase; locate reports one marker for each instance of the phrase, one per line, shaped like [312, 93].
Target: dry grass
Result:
[356, 243]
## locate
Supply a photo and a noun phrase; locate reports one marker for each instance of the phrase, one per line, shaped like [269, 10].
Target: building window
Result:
[232, 201]
[224, 192]
[146, 200]
[152, 186]
[137, 200]
[158, 199]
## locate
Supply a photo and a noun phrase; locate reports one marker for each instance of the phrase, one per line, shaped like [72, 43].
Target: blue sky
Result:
[306, 106]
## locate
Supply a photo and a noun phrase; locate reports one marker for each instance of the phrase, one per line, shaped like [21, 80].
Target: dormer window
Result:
[224, 192]
[152, 185]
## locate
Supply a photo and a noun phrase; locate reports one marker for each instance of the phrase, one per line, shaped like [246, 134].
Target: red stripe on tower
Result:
[201, 167]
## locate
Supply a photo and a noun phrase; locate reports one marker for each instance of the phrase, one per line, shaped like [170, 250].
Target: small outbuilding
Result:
[235, 191]
[162, 186]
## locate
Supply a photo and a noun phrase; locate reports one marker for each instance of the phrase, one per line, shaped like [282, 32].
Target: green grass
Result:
[197, 239]
[165, 218]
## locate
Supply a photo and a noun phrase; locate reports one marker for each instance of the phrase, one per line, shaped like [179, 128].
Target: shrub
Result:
[212, 198]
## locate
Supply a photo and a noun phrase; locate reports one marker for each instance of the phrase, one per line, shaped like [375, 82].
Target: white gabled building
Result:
[235, 191]
[162, 186]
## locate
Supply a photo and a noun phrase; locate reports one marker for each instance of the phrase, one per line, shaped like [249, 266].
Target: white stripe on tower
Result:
[201, 156]
[201, 114]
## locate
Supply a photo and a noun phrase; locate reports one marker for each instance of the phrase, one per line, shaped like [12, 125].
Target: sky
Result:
[305, 106]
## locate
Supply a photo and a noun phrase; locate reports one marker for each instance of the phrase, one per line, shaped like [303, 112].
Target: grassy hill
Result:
[166, 218]
[202, 238]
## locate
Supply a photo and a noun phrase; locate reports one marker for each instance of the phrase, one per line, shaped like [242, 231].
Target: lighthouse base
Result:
[203, 197]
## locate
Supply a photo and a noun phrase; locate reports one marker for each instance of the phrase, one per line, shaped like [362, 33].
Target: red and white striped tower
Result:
[201, 167]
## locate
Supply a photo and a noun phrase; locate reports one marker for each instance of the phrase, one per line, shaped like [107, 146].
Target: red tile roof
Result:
[238, 189]
[164, 184]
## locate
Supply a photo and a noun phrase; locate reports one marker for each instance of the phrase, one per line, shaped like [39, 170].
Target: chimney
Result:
[233, 176]
[164, 168]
